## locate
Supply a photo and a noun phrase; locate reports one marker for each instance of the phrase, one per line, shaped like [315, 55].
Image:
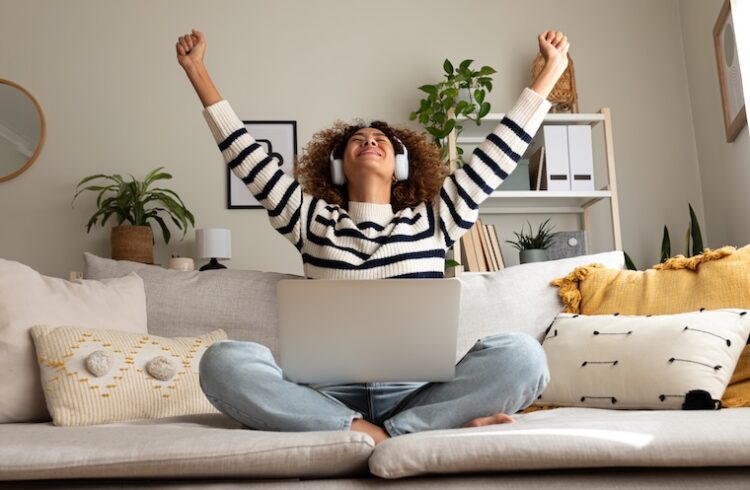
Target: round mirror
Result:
[22, 129]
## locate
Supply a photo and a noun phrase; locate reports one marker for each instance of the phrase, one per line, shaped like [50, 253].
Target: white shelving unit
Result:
[550, 202]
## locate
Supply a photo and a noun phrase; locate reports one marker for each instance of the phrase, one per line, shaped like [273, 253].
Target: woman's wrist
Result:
[548, 77]
[203, 85]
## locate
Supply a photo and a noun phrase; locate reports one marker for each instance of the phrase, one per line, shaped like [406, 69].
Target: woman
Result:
[369, 201]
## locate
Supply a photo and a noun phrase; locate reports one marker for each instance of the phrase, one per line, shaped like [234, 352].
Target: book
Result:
[536, 169]
[468, 255]
[479, 250]
[496, 247]
[492, 263]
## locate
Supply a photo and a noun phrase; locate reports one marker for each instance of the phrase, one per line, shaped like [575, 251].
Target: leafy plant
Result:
[542, 239]
[693, 241]
[450, 263]
[434, 111]
[133, 202]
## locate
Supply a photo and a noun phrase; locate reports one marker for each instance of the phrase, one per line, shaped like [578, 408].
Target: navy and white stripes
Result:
[368, 240]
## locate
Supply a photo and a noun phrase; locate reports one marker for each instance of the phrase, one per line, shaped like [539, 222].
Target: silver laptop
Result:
[363, 331]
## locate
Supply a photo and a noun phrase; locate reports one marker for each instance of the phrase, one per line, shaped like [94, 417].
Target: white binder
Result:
[581, 158]
[556, 168]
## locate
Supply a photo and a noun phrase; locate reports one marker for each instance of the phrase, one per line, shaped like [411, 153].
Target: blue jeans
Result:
[500, 373]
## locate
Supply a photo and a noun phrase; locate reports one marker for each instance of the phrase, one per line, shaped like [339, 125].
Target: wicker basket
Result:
[563, 97]
[134, 243]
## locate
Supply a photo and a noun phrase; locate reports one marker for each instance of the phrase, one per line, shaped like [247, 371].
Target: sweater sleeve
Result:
[280, 194]
[493, 160]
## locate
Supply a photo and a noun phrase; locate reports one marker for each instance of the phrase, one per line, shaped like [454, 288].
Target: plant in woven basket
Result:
[438, 112]
[135, 203]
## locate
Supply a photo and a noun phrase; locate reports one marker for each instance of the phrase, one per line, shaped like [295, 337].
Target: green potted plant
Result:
[461, 93]
[693, 242]
[532, 246]
[134, 203]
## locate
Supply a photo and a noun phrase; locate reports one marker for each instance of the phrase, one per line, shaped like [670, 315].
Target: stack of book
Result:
[480, 249]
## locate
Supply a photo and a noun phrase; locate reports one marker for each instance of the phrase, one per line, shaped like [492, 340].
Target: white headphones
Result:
[401, 172]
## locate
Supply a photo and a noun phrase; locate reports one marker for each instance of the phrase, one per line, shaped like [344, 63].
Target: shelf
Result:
[591, 118]
[541, 202]
[473, 134]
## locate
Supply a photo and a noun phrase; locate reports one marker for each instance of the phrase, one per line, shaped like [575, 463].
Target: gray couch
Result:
[559, 448]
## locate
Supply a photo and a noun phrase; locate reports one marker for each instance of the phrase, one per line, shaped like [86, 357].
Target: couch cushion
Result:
[207, 445]
[643, 362]
[28, 298]
[180, 304]
[574, 438]
[714, 279]
[518, 298]
[95, 376]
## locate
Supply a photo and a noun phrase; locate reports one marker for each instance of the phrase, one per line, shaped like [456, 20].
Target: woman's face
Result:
[369, 151]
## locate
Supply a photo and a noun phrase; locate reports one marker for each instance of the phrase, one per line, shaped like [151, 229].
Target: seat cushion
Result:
[205, 445]
[574, 438]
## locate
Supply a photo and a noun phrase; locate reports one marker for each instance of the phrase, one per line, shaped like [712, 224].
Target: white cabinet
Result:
[550, 202]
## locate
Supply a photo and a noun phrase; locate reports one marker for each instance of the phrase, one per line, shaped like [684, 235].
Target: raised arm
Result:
[280, 194]
[494, 159]
[191, 49]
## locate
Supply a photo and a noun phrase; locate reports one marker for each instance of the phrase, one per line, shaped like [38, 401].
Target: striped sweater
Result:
[368, 240]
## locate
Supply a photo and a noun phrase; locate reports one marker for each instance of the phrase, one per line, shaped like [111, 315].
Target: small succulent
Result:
[528, 241]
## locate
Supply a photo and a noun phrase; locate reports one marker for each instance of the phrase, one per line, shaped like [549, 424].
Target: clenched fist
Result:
[553, 45]
[191, 49]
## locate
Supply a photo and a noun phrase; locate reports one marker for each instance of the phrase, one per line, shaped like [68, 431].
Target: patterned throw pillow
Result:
[715, 279]
[643, 362]
[101, 376]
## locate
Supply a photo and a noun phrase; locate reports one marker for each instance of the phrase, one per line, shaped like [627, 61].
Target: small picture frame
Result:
[279, 140]
[730, 79]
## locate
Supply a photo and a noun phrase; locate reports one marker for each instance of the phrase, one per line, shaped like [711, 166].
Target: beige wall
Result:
[116, 101]
[724, 167]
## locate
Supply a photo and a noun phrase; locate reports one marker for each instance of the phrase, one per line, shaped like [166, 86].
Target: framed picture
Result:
[279, 140]
[730, 80]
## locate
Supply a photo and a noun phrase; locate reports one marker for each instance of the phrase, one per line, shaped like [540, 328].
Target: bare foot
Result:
[376, 432]
[498, 418]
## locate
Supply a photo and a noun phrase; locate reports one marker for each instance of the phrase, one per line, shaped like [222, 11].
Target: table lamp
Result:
[214, 244]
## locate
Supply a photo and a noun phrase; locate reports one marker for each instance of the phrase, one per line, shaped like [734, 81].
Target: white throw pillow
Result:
[28, 298]
[95, 376]
[643, 362]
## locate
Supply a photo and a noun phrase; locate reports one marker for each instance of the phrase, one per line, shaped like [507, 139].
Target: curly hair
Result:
[426, 169]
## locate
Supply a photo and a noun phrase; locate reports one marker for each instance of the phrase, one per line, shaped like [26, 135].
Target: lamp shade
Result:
[213, 243]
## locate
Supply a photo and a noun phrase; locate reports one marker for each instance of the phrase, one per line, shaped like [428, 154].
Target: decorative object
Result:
[713, 280]
[564, 96]
[462, 93]
[22, 129]
[567, 244]
[181, 263]
[128, 201]
[145, 376]
[643, 362]
[214, 244]
[279, 140]
[28, 298]
[730, 78]
[532, 246]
